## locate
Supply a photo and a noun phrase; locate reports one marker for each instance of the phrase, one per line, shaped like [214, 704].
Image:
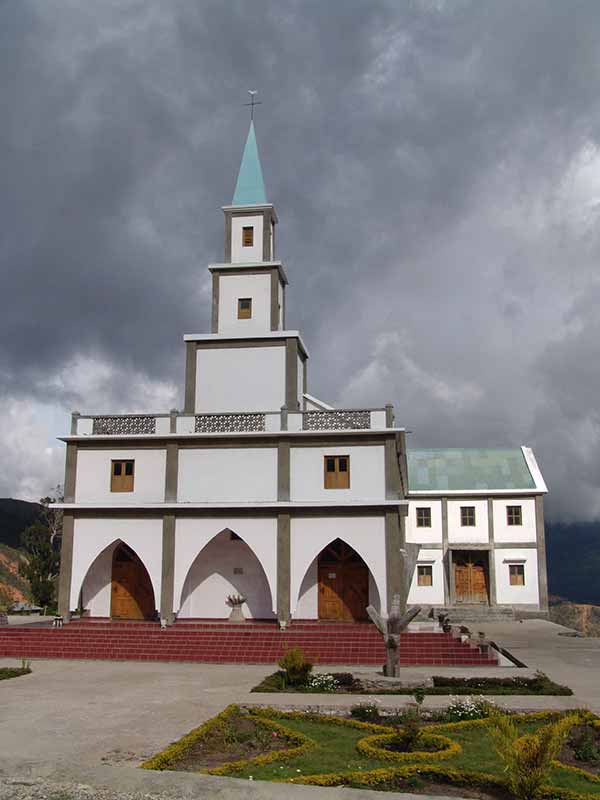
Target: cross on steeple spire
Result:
[253, 102]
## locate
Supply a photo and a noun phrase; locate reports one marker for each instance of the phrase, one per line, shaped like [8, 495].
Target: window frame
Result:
[248, 236]
[336, 478]
[516, 571]
[512, 518]
[122, 482]
[423, 516]
[424, 571]
[244, 313]
[468, 517]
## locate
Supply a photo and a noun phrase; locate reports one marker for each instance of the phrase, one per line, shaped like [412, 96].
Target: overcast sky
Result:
[436, 171]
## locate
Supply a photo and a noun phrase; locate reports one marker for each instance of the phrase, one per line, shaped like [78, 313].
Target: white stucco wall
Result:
[93, 476]
[225, 567]
[434, 594]
[309, 535]
[507, 594]
[240, 379]
[92, 535]
[237, 474]
[96, 587]
[433, 534]
[459, 534]
[367, 473]
[239, 254]
[503, 532]
[234, 287]
[191, 537]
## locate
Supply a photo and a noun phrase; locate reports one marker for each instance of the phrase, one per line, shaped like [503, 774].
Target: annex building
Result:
[260, 489]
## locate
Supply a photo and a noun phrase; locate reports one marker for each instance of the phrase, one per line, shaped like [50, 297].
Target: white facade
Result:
[367, 476]
[94, 470]
[234, 474]
[233, 288]
[239, 253]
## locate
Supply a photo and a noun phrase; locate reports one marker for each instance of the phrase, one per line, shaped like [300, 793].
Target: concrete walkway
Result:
[95, 721]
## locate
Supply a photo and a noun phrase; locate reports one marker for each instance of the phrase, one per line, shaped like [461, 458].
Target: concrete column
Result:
[492, 552]
[446, 554]
[215, 303]
[173, 420]
[228, 237]
[267, 255]
[66, 566]
[171, 472]
[283, 567]
[291, 374]
[70, 472]
[274, 299]
[389, 415]
[74, 421]
[392, 470]
[168, 568]
[190, 378]
[541, 552]
[283, 470]
[395, 578]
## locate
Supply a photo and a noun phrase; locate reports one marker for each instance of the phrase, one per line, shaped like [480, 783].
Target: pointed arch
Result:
[226, 565]
[365, 535]
[193, 534]
[93, 536]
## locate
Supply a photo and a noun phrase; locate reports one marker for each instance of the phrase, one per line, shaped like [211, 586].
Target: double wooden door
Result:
[471, 577]
[132, 596]
[343, 584]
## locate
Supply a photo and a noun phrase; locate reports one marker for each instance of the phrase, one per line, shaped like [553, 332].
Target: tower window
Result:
[516, 574]
[513, 515]
[424, 575]
[423, 518]
[248, 236]
[244, 308]
[121, 476]
[337, 472]
[467, 516]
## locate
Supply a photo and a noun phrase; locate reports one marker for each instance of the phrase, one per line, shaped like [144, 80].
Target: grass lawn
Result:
[335, 753]
[7, 672]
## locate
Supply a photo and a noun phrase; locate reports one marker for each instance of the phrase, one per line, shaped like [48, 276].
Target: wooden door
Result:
[132, 596]
[343, 584]
[470, 578]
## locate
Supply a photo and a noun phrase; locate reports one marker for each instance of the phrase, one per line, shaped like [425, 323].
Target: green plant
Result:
[407, 735]
[584, 747]
[26, 665]
[468, 708]
[365, 712]
[322, 683]
[296, 667]
[419, 695]
[528, 758]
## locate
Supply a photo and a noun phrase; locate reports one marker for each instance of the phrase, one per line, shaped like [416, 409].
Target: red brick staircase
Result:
[222, 642]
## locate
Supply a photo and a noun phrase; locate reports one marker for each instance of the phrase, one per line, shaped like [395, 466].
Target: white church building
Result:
[258, 488]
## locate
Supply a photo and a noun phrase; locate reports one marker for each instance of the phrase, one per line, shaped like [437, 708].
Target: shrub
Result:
[366, 712]
[407, 735]
[322, 683]
[296, 667]
[345, 680]
[468, 708]
[584, 745]
[419, 695]
[528, 758]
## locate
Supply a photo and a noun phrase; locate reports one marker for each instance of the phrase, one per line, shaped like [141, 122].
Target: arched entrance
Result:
[343, 580]
[132, 596]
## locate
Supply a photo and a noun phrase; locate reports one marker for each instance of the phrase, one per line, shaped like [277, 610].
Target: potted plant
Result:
[236, 601]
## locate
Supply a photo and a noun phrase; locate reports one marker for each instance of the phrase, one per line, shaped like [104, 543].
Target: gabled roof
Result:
[250, 186]
[458, 469]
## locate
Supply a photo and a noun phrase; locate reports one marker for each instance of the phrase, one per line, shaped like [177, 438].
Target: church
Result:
[259, 491]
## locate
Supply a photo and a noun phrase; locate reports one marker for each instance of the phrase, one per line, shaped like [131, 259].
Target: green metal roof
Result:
[457, 469]
[250, 186]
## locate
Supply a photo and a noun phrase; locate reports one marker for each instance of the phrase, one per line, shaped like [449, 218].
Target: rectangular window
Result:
[245, 308]
[423, 518]
[516, 574]
[121, 476]
[337, 472]
[248, 236]
[424, 575]
[513, 515]
[467, 516]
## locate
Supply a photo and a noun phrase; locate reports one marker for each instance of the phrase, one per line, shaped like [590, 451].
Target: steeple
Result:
[250, 186]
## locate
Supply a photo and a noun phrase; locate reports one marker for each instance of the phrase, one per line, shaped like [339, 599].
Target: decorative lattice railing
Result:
[229, 423]
[115, 426]
[336, 420]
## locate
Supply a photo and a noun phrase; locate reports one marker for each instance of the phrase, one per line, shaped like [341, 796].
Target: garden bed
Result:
[16, 672]
[347, 683]
[324, 750]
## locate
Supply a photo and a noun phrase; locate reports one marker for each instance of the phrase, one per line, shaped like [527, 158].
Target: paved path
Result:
[94, 721]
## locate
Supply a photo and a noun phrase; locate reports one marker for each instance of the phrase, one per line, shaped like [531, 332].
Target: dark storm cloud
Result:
[434, 167]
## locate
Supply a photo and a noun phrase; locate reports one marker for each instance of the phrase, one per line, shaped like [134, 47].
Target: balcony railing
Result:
[241, 422]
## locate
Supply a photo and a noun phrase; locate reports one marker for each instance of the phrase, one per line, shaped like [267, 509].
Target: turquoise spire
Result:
[250, 186]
